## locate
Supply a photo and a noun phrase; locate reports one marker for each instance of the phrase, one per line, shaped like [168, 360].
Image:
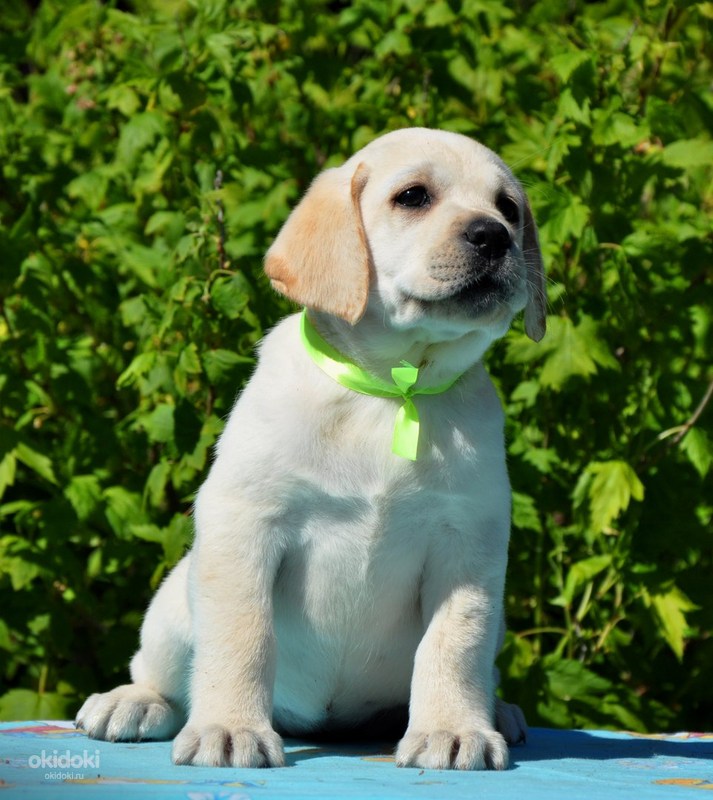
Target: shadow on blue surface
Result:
[545, 744]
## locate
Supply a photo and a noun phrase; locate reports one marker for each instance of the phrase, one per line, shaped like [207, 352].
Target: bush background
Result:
[149, 150]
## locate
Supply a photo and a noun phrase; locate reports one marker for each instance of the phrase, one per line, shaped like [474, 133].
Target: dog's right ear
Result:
[536, 308]
[320, 258]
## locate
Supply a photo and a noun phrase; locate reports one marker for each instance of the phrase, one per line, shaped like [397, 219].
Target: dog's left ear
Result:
[536, 308]
[320, 258]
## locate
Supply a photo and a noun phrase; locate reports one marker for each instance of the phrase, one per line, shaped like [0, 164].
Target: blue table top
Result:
[47, 760]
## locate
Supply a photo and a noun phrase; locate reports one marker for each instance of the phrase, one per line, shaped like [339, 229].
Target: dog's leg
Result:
[451, 722]
[235, 563]
[153, 706]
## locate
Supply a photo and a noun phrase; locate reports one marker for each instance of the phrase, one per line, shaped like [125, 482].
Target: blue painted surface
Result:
[552, 765]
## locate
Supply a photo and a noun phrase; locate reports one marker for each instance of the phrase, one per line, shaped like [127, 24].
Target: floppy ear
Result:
[320, 258]
[536, 308]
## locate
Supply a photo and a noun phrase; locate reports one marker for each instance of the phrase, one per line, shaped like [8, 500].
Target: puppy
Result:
[351, 546]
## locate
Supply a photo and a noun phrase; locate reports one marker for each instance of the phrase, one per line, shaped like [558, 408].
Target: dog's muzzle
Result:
[477, 272]
[489, 276]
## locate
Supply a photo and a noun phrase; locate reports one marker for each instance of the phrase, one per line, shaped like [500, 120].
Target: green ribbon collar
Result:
[351, 376]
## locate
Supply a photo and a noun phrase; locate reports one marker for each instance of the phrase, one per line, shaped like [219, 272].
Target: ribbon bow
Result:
[351, 376]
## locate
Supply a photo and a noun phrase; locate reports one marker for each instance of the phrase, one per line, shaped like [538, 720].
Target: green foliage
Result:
[149, 150]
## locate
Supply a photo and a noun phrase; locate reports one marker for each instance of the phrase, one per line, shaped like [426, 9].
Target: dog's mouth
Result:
[475, 294]
[484, 288]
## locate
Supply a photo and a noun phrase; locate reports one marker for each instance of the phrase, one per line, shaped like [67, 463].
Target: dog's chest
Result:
[347, 610]
[354, 557]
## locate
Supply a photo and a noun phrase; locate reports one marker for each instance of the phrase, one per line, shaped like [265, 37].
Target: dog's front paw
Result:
[470, 749]
[128, 714]
[221, 746]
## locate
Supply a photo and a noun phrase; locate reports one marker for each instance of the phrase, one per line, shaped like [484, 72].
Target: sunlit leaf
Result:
[698, 446]
[670, 607]
[611, 486]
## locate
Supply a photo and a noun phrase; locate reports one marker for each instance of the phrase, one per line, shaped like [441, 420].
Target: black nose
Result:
[489, 237]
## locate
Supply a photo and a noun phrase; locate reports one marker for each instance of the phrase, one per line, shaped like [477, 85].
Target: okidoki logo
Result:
[65, 760]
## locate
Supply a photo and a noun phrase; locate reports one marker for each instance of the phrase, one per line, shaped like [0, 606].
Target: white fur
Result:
[329, 578]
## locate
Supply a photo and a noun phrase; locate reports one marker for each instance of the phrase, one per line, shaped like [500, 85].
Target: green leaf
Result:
[567, 63]
[133, 311]
[543, 459]
[189, 361]
[439, 14]
[570, 679]
[581, 573]
[91, 188]
[697, 445]
[526, 392]
[141, 365]
[17, 562]
[524, 513]
[156, 482]
[573, 351]
[395, 42]
[670, 607]
[567, 221]
[37, 462]
[118, 218]
[191, 93]
[220, 365]
[124, 98]
[178, 537]
[26, 704]
[139, 133]
[8, 468]
[610, 488]
[689, 154]
[5, 640]
[22, 573]
[618, 129]
[170, 224]
[123, 510]
[569, 108]
[188, 365]
[95, 563]
[221, 46]
[149, 533]
[153, 169]
[175, 537]
[159, 424]
[230, 295]
[84, 493]
[147, 263]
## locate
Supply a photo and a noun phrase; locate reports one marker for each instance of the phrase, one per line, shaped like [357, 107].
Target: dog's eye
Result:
[413, 197]
[508, 208]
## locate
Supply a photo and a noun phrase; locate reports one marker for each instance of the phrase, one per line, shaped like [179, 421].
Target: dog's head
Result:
[425, 228]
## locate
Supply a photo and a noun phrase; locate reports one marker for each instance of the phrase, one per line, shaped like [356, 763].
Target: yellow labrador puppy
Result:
[352, 535]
